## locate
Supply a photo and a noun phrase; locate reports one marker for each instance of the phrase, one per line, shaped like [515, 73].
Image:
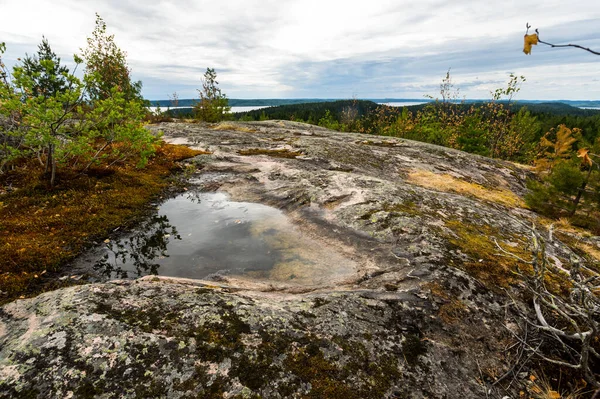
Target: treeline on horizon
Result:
[274, 102]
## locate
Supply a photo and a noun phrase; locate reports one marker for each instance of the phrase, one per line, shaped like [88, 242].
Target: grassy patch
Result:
[231, 126]
[276, 153]
[447, 183]
[41, 228]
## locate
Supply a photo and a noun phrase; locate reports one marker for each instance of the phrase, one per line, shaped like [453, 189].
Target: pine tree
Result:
[104, 58]
[44, 69]
[213, 105]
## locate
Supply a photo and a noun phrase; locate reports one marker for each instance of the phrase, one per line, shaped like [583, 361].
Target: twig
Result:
[562, 45]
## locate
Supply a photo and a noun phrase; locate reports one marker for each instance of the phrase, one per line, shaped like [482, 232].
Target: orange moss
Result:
[453, 309]
[42, 228]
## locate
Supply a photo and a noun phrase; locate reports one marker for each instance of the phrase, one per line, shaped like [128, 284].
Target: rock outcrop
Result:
[423, 315]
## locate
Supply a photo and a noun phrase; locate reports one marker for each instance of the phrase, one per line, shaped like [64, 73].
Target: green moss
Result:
[413, 347]
[310, 366]
[485, 263]
[403, 208]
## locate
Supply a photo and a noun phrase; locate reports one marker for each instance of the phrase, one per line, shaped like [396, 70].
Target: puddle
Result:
[206, 235]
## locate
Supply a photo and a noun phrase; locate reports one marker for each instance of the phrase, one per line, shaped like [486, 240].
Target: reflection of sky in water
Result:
[196, 235]
[214, 237]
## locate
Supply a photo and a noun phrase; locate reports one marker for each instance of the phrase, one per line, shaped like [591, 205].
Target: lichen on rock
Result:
[422, 315]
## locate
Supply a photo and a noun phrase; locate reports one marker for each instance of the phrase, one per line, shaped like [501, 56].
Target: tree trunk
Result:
[580, 193]
[52, 161]
[48, 159]
[53, 176]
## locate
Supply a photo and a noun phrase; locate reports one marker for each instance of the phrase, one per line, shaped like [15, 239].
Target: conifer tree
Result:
[48, 76]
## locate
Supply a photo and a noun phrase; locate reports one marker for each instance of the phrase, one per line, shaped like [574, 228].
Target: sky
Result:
[326, 48]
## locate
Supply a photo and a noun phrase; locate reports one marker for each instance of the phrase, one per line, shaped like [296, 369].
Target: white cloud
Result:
[317, 48]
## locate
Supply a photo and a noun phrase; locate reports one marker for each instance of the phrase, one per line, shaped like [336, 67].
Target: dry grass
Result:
[447, 183]
[564, 224]
[594, 252]
[541, 388]
[231, 126]
[42, 228]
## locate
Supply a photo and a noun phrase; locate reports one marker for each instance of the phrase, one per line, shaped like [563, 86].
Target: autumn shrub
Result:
[489, 129]
[568, 179]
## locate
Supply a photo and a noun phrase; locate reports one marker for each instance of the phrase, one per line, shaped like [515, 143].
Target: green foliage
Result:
[106, 66]
[328, 121]
[566, 178]
[47, 111]
[48, 76]
[473, 137]
[213, 105]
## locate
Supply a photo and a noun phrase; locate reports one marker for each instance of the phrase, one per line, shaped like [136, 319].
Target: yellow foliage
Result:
[561, 148]
[584, 154]
[530, 40]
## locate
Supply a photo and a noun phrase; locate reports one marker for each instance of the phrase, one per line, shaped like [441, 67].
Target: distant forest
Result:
[548, 114]
[273, 102]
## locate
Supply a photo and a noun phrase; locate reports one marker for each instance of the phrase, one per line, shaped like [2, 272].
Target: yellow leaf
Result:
[553, 395]
[530, 40]
[583, 153]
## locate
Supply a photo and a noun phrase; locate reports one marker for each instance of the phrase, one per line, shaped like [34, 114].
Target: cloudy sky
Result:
[326, 48]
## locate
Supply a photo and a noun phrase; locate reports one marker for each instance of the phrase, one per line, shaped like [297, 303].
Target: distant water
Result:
[233, 109]
[403, 104]
[589, 107]
[246, 109]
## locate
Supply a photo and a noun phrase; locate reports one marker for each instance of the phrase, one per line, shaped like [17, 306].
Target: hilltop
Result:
[428, 306]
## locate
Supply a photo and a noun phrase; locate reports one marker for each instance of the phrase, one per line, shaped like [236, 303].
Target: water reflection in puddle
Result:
[203, 235]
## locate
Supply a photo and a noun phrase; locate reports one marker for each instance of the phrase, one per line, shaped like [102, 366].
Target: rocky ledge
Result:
[424, 313]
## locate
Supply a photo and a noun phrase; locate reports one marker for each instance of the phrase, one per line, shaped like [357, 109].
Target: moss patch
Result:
[489, 265]
[485, 262]
[42, 228]
[231, 126]
[452, 309]
[276, 153]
